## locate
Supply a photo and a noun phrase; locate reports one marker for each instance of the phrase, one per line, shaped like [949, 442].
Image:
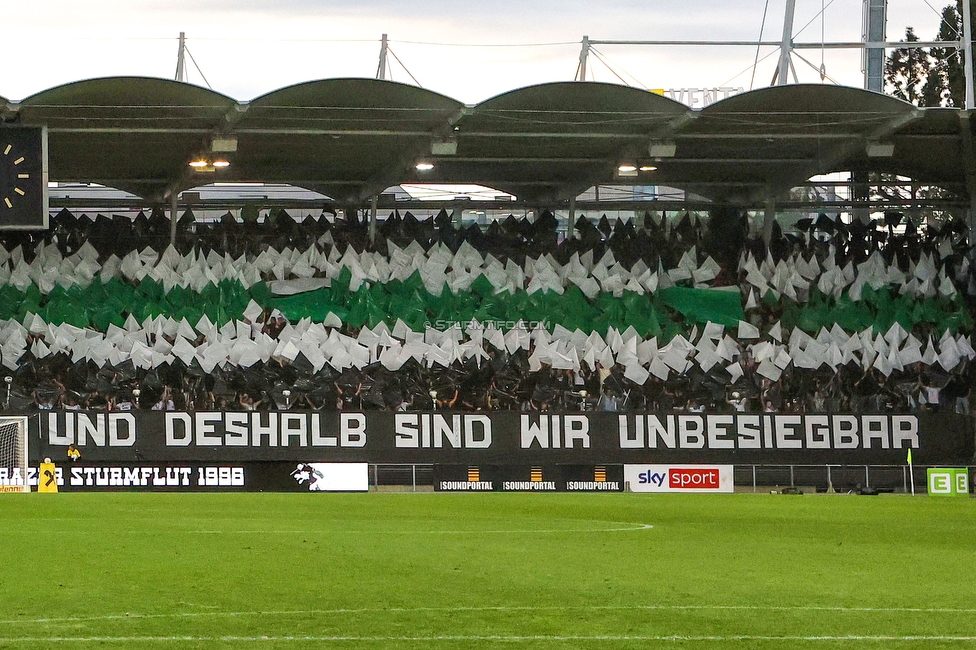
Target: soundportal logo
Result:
[679, 478]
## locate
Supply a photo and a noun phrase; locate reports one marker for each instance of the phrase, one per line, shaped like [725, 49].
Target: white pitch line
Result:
[674, 638]
[502, 608]
[526, 531]
[624, 528]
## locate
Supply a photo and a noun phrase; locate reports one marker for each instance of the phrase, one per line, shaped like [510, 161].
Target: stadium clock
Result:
[23, 177]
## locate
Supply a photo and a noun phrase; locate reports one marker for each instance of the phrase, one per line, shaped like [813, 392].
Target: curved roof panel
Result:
[348, 104]
[574, 107]
[134, 133]
[802, 108]
[774, 138]
[125, 101]
[348, 136]
[566, 135]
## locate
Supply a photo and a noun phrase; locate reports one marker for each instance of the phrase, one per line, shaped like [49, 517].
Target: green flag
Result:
[909, 455]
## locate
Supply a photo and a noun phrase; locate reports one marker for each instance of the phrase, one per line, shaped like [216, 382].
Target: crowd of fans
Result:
[505, 379]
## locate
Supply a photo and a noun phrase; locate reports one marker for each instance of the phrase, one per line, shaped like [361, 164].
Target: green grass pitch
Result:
[385, 570]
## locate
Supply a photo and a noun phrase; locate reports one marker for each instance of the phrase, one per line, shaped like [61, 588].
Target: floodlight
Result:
[424, 166]
[196, 164]
[221, 163]
[627, 170]
[647, 168]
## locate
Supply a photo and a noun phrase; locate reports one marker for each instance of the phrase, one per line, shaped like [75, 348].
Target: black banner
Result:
[499, 438]
[176, 477]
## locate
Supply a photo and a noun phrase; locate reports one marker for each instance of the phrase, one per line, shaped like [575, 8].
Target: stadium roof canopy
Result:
[352, 138]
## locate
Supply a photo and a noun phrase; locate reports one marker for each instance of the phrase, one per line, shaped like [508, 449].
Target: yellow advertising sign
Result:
[47, 478]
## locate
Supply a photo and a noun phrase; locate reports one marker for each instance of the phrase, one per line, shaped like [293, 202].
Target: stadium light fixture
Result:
[206, 165]
[626, 170]
[424, 166]
[647, 168]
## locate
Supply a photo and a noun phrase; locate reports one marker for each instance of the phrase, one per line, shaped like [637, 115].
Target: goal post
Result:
[13, 455]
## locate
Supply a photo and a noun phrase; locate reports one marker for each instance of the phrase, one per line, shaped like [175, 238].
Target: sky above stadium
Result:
[469, 51]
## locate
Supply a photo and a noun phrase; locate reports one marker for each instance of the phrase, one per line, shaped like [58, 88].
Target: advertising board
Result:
[679, 478]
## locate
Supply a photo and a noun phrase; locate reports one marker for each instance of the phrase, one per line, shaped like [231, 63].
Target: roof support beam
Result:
[392, 174]
[848, 45]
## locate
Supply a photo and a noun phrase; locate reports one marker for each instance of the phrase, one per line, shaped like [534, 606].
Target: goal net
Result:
[13, 455]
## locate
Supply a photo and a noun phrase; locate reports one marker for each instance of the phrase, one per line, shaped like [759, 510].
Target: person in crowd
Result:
[608, 400]
[165, 402]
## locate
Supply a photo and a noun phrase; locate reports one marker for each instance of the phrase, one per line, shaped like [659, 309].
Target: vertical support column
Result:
[971, 216]
[769, 218]
[583, 59]
[861, 191]
[874, 32]
[786, 47]
[381, 69]
[173, 218]
[571, 227]
[181, 59]
[969, 166]
[967, 41]
[372, 219]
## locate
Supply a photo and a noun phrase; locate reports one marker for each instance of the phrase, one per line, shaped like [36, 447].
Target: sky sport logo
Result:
[701, 479]
[678, 478]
